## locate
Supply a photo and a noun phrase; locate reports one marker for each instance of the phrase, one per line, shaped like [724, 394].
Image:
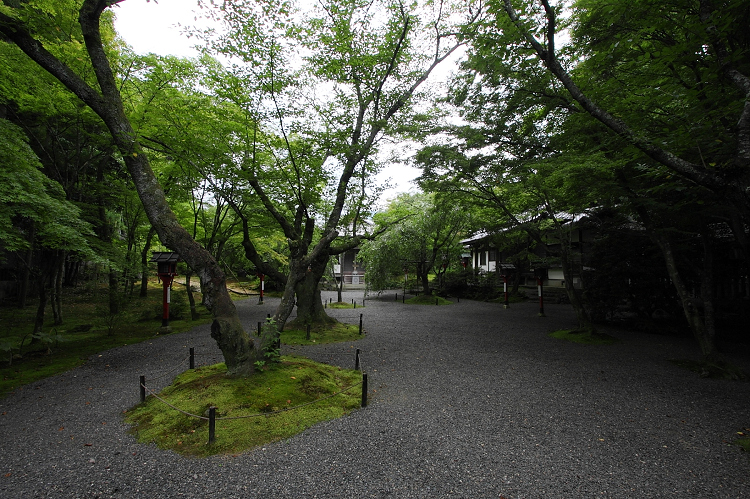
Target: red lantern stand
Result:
[262, 277]
[166, 263]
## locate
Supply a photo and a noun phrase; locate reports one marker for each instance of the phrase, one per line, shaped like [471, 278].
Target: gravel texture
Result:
[466, 400]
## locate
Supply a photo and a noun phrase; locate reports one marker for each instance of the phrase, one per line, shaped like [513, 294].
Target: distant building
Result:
[486, 256]
[350, 269]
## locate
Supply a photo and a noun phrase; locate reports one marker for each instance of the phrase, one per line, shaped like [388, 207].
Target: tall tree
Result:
[696, 53]
[21, 26]
[329, 94]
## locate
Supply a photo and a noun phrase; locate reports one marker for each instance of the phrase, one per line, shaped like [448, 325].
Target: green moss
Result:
[428, 300]
[85, 332]
[743, 443]
[583, 338]
[271, 405]
[341, 304]
[330, 333]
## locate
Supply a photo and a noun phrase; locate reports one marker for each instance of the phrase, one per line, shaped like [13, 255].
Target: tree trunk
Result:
[39, 319]
[57, 280]
[310, 309]
[703, 330]
[236, 345]
[114, 292]
[585, 324]
[424, 279]
[194, 315]
[284, 310]
[516, 277]
[340, 285]
[23, 287]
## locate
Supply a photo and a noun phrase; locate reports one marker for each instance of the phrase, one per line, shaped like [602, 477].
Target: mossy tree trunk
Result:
[310, 309]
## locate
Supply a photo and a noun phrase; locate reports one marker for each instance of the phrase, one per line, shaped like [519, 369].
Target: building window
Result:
[493, 255]
[483, 258]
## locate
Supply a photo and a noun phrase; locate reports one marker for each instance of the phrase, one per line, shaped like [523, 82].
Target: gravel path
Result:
[467, 400]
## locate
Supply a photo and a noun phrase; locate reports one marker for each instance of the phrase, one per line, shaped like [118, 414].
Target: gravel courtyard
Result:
[468, 400]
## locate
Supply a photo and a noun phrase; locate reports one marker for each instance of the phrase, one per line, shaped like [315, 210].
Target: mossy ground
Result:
[743, 443]
[88, 328]
[329, 333]
[428, 300]
[273, 404]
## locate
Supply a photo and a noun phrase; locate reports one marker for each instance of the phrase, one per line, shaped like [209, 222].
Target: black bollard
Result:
[360, 323]
[211, 424]
[356, 360]
[143, 388]
[364, 390]
[192, 358]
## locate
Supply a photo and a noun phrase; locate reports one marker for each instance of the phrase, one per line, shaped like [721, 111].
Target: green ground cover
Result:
[275, 403]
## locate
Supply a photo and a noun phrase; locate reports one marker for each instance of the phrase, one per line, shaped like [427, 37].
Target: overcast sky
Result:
[153, 27]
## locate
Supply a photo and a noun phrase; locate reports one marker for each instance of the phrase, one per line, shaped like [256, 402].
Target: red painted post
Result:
[167, 297]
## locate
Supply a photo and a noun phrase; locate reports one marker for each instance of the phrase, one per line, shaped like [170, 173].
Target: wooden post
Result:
[364, 390]
[143, 388]
[211, 425]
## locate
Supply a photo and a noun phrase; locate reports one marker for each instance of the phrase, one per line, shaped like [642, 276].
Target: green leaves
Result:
[32, 206]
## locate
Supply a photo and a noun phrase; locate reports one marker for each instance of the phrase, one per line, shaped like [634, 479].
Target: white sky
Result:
[148, 26]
